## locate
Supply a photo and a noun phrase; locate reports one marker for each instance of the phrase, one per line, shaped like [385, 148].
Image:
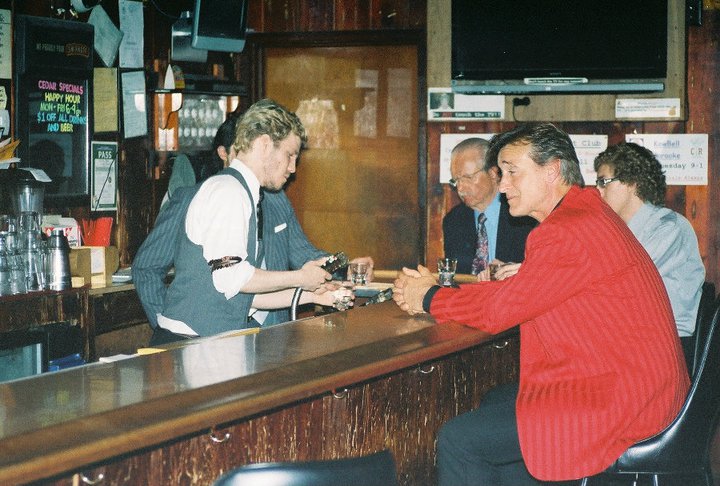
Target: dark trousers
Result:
[162, 336]
[481, 447]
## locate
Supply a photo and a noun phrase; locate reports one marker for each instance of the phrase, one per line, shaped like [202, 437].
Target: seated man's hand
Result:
[506, 270]
[484, 276]
[410, 288]
[498, 270]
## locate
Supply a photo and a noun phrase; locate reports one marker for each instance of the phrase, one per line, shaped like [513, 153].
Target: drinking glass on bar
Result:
[446, 271]
[359, 273]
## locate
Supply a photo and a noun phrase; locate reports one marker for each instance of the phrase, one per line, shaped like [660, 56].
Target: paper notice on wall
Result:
[587, 147]
[107, 36]
[444, 105]
[105, 99]
[647, 108]
[133, 103]
[5, 44]
[684, 157]
[131, 25]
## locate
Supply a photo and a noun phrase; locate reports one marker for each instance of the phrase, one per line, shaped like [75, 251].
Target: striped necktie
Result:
[480, 261]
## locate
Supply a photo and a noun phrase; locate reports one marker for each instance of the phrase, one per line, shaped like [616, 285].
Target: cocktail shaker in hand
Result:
[58, 261]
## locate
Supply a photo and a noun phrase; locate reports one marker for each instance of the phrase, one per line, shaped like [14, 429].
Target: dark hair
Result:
[209, 163]
[547, 142]
[634, 164]
[225, 135]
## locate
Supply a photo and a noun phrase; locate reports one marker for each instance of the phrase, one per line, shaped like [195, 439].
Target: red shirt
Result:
[601, 365]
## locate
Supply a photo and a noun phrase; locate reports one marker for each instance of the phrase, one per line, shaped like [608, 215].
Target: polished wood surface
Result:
[390, 275]
[63, 421]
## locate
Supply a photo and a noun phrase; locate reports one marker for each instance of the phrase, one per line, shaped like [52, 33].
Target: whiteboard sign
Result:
[684, 157]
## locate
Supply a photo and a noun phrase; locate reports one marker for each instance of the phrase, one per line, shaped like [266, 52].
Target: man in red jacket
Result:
[600, 362]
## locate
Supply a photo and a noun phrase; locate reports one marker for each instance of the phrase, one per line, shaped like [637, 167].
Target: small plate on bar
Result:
[371, 289]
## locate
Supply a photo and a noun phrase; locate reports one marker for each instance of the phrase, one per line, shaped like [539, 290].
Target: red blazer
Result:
[601, 365]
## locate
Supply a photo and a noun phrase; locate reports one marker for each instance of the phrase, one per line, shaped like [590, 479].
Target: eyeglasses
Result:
[601, 182]
[466, 177]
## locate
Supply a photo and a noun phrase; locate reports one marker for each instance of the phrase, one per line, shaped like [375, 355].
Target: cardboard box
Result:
[96, 264]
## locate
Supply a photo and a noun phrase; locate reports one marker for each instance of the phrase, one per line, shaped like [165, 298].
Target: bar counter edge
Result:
[306, 361]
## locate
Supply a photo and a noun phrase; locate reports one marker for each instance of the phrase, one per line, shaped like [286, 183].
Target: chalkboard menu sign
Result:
[53, 79]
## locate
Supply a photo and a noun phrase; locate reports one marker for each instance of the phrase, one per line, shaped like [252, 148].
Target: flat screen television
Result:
[525, 46]
[219, 25]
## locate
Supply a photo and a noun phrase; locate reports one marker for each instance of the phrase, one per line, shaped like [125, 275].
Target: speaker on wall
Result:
[693, 12]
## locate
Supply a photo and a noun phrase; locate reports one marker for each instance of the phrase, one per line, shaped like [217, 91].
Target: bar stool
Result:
[373, 470]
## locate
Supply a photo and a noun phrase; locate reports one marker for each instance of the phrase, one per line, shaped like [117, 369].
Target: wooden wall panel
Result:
[276, 16]
[703, 202]
[356, 188]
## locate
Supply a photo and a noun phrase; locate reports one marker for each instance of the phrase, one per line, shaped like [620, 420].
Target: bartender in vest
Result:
[220, 283]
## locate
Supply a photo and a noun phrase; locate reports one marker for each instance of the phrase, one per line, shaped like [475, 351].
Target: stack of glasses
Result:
[23, 255]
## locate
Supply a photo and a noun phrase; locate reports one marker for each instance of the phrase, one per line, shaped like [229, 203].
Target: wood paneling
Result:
[280, 16]
[703, 202]
[356, 188]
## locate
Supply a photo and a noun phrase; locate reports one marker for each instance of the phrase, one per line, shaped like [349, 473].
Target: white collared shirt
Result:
[218, 220]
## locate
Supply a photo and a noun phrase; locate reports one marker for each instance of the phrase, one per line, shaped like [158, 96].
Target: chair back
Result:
[702, 325]
[684, 445]
[374, 470]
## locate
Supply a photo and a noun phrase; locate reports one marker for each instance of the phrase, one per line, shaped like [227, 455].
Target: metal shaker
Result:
[58, 261]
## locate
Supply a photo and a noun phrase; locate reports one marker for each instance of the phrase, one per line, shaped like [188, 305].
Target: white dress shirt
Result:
[218, 220]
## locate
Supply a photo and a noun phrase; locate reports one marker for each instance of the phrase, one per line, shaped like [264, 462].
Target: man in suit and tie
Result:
[481, 229]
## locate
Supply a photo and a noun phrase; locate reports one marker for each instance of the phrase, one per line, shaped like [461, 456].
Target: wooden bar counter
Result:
[342, 384]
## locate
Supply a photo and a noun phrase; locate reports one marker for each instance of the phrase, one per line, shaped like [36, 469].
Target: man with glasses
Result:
[601, 365]
[481, 229]
[630, 179]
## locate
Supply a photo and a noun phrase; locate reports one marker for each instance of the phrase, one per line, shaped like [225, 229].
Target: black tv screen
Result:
[518, 39]
[220, 25]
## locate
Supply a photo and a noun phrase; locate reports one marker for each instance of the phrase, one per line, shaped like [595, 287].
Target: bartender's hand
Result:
[334, 294]
[410, 288]
[370, 264]
[312, 275]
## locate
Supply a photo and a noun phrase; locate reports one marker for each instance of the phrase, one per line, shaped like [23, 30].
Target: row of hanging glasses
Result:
[23, 254]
